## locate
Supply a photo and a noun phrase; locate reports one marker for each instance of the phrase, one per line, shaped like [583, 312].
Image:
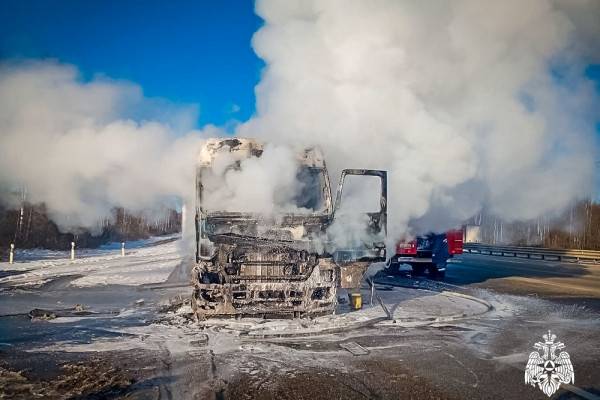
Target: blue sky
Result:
[189, 52]
[185, 51]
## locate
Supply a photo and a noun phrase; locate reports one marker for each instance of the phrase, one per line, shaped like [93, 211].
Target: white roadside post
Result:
[72, 251]
[183, 218]
[11, 256]
[122, 249]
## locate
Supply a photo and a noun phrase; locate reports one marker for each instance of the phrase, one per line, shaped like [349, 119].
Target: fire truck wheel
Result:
[418, 269]
[393, 268]
[435, 273]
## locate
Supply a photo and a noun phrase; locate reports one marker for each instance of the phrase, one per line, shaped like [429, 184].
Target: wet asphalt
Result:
[473, 358]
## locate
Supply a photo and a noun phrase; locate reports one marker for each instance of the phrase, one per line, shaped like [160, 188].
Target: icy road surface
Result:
[136, 338]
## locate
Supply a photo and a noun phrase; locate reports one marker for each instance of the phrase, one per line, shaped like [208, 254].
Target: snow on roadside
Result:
[112, 248]
[130, 275]
[143, 265]
[136, 244]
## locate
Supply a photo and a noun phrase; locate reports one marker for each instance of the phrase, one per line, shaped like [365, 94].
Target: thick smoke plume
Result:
[77, 147]
[466, 103]
[264, 185]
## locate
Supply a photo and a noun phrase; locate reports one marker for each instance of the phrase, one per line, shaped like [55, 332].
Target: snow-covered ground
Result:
[153, 261]
[28, 255]
[144, 262]
[82, 281]
[433, 325]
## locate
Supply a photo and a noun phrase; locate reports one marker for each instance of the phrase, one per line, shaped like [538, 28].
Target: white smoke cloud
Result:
[264, 185]
[466, 103]
[73, 146]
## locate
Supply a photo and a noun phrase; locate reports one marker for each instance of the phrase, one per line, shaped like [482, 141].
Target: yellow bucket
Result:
[356, 301]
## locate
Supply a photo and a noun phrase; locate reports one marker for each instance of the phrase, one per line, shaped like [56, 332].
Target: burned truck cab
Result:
[278, 264]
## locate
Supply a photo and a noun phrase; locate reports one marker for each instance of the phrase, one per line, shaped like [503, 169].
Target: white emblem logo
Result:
[548, 371]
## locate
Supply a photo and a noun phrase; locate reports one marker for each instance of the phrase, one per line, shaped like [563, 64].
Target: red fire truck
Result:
[428, 253]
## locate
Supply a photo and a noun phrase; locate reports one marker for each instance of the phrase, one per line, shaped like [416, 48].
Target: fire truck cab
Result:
[427, 253]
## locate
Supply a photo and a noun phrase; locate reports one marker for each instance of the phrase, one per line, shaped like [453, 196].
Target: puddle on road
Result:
[19, 331]
[108, 308]
[102, 299]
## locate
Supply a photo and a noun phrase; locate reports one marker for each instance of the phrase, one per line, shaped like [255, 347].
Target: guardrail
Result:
[533, 252]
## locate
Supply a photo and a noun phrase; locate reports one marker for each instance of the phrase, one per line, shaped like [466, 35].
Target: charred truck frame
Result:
[256, 265]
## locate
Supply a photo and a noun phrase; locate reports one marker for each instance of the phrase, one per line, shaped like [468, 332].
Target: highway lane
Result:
[464, 358]
[561, 281]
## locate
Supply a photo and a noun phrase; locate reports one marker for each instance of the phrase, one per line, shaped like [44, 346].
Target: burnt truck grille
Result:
[260, 290]
[275, 269]
[272, 265]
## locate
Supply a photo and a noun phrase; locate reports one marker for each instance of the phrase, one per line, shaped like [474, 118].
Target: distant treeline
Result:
[578, 227]
[31, 227]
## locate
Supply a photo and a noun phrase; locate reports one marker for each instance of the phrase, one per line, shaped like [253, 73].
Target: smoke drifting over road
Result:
[465, 103]
[74, 146]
